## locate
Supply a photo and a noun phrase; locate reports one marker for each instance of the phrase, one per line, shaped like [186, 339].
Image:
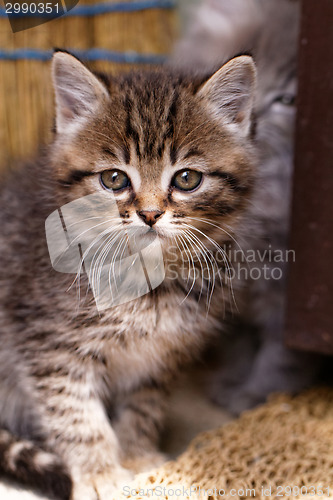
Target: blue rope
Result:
[86, 55]
[102, 8]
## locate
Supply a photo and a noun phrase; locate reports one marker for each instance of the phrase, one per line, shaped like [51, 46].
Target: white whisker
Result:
[204, 251]
[194, 246]
[224, 256]
[193, 268]
[98, 264]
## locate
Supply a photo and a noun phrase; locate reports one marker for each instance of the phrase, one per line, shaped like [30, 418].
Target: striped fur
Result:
[23, 460]
[89, 387]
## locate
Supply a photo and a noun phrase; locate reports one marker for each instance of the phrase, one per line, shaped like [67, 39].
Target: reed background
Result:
[26, 95]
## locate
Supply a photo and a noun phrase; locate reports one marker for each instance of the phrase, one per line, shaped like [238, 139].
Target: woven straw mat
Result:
[283, 449]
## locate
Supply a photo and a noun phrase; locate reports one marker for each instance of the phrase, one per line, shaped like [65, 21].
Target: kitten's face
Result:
[176, 157]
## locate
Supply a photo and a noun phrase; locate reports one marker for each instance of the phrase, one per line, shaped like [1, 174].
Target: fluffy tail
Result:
[23, 461]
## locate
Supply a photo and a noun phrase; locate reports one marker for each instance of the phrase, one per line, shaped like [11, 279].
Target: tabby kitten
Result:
[82, 390]
[255, 360]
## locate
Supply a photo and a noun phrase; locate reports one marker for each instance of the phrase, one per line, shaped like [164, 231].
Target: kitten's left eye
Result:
[187, 180]
[286, 99]
[115, 180]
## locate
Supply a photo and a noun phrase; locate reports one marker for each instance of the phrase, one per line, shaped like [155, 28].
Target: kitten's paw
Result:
[84, 490]
[101, 486]
[145, 462]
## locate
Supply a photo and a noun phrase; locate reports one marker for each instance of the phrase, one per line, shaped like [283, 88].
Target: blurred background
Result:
[132, 34]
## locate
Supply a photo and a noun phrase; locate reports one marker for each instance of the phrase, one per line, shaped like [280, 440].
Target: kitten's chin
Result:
[142, 236]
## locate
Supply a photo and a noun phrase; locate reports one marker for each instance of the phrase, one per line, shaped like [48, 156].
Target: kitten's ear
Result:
[78, 92]
[230, 93]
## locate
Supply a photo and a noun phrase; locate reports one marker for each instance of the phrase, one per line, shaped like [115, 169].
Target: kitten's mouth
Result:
[148, 234]
[151, 233]
[142, 232]
[156, 233]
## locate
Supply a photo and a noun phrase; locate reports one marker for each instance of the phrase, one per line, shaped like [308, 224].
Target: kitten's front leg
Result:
[138, 426]
[80, 432]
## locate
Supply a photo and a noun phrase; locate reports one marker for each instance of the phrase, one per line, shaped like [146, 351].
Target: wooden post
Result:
[309, 323]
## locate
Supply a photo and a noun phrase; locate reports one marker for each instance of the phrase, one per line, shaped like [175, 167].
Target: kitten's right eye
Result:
[115, 180]
[187, 180]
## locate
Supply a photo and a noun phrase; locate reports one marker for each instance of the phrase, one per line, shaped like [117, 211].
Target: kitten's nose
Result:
[150, 216]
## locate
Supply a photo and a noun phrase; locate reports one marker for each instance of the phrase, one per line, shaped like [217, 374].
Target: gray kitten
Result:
[255, 360]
